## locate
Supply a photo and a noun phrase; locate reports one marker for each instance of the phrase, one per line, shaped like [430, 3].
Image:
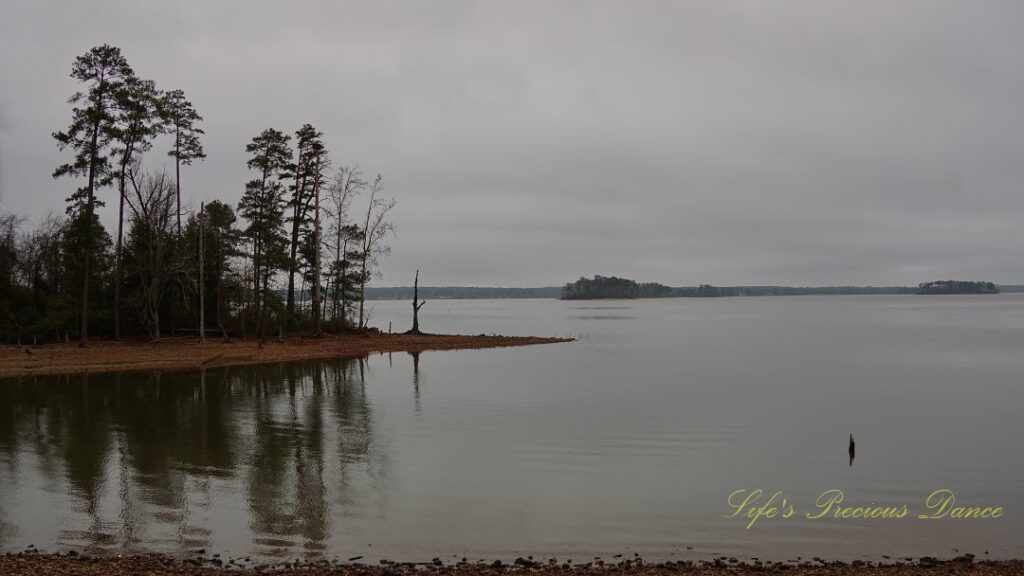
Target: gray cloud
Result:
[532, 142]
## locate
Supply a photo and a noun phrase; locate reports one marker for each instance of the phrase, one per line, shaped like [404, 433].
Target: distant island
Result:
[614, 287]
[957, 287]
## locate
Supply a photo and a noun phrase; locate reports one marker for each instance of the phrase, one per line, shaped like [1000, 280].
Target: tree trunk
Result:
[317, 310]
[362, 289]
[256, 285]
[83, 335]
[292, 265]
[327, 295]
[300, 185]
[202, 285]
[154, 315]
[342, 281]
[335, 279]
[220, 283]
[177, 173]
[117, 260]
[261, 307]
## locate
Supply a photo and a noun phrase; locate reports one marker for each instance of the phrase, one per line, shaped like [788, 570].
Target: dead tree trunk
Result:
[416, 305]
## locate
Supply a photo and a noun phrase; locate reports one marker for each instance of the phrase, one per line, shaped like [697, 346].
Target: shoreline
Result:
[111, 356]
[34, 562]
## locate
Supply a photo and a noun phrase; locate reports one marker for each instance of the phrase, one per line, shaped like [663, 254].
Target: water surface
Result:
[628, 440]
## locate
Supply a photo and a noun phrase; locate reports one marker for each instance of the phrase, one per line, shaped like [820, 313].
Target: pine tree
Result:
[262, 205]
[181, 119]
[308, 148]
[137, 123]
[85, 267]
[219, 239]
[320, 164]
[345, 278]
[105, 71]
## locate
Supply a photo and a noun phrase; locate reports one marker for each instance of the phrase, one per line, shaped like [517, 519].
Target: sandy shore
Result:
[103, 356]
[157, 565]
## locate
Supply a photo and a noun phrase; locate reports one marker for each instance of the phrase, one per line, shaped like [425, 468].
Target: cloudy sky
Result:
[529, 143]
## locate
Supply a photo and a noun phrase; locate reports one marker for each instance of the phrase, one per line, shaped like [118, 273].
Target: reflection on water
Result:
[416, 379]
[144, 460]
[852, 450]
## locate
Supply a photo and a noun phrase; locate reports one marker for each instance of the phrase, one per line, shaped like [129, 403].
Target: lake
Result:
[629, 440]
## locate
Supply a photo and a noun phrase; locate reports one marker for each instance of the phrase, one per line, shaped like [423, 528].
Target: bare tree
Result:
[376, 229]
[39, 256]
[347, 183]
[153, 247]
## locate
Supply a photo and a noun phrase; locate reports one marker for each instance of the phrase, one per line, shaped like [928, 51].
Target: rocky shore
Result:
[34, 563]
[188, 354]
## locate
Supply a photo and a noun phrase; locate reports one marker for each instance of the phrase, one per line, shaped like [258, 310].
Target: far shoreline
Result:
[189, 354]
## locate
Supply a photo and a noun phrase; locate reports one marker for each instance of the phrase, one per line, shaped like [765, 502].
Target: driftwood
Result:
[169, 339]
[208, 360]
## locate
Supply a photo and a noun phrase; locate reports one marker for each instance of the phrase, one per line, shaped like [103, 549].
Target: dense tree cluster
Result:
[613, 287]
[169, 268]
[957, 287]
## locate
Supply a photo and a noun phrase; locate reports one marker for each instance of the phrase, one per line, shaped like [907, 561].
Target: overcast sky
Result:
[756, 142]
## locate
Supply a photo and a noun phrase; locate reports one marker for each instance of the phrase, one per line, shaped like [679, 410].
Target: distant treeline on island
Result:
[614, 287]
[460, 292]
[957, 287]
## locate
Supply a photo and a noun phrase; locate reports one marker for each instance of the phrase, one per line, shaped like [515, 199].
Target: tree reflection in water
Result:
[416, 378]
[152, 460]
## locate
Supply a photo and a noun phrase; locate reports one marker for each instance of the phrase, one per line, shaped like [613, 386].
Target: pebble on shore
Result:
[35, 563]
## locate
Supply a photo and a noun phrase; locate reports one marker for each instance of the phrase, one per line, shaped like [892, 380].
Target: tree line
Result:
[614, 287]
[291, 255]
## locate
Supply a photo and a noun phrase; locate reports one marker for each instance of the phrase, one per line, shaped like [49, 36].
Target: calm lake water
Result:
[628, 440]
